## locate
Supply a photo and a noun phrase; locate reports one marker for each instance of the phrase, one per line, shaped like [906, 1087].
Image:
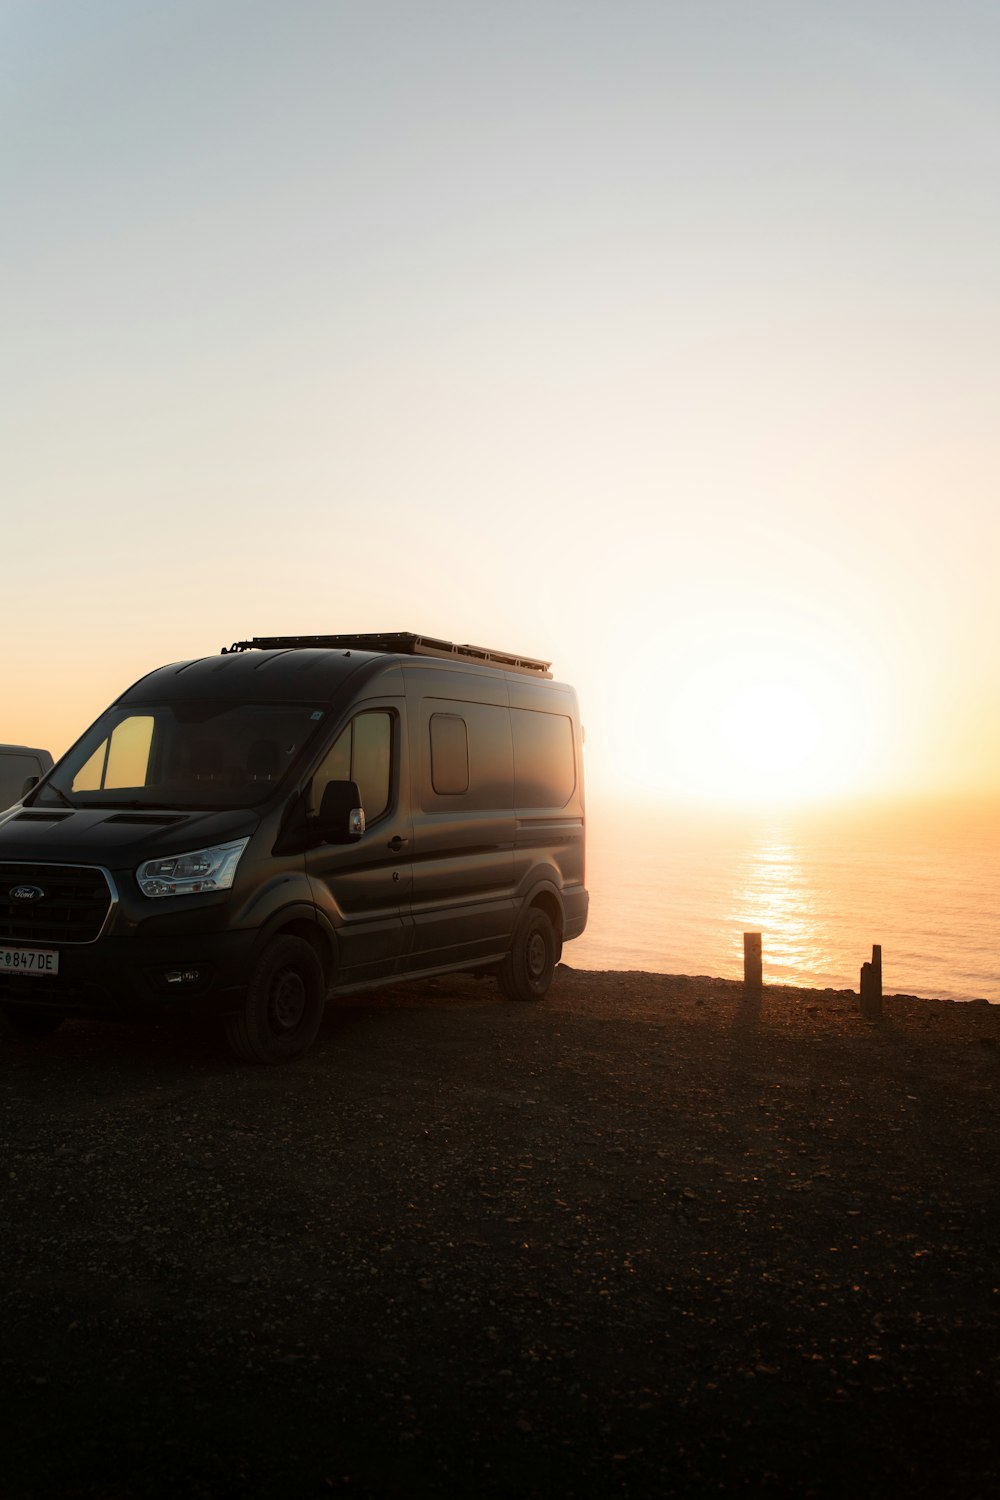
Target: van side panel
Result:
[463, 824]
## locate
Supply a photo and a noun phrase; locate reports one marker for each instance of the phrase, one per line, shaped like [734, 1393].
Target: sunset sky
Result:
[660, 338]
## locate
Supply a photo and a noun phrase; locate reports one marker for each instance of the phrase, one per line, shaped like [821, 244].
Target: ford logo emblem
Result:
[26, 893]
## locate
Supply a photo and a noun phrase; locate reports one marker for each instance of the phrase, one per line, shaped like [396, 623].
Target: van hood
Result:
[115, 836]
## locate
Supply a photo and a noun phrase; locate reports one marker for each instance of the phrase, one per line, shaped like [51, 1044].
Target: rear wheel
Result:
[25, 1023]
[283, 1008]
[527, 971]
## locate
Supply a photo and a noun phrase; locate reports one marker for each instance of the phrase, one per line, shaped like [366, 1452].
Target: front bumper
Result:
[135, 978]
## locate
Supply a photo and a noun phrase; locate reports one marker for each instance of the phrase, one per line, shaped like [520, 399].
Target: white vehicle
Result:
[20, 768]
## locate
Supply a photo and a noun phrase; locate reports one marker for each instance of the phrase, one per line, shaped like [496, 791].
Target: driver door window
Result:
[361, 753]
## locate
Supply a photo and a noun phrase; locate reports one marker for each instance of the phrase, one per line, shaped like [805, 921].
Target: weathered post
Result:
[753, 965]
[870, 999]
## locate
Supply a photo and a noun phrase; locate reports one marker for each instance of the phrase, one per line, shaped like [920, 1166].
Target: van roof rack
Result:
[401, 642]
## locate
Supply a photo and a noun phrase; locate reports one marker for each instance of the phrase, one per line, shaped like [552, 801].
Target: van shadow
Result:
[110, 1057]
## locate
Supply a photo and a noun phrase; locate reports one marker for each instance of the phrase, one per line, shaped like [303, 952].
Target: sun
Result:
[752, 728]
[748, 720]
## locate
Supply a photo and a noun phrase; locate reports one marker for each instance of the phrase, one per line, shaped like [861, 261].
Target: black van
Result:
[245, 834]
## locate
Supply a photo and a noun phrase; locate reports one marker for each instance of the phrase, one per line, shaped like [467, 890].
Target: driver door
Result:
[364, 888]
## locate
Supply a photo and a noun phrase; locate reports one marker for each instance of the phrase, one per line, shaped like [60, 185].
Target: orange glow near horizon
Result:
[736, 718]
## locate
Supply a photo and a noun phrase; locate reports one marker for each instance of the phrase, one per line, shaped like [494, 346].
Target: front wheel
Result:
[526, 972]
[283, 1007]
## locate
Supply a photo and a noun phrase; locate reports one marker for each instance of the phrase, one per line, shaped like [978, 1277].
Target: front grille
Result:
[73, 908]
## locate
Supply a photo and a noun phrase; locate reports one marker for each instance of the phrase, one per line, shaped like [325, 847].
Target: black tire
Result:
[527, 971]
[25, 1024]
[283, 1008]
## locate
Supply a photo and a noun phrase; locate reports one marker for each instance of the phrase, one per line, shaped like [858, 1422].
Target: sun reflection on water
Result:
[774, 897]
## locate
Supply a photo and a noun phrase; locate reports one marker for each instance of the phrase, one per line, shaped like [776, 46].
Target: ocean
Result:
[673, 891]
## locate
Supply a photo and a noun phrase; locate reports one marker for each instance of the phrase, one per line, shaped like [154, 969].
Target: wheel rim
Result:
[537, 957]
[287, 1000]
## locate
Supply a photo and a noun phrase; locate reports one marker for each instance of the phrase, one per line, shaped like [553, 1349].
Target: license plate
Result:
[29, 961]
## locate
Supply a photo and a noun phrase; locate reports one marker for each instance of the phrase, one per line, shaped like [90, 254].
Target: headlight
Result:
[191, 874]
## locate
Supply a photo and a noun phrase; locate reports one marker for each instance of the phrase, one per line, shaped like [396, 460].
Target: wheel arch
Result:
[545, 897]
[303, 922]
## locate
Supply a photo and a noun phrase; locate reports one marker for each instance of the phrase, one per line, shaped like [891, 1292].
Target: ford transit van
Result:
[243, 835]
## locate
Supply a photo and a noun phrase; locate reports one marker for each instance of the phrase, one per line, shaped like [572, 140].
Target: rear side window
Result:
[361, 753]
[449, 755]
[465, 763]
[544, 763]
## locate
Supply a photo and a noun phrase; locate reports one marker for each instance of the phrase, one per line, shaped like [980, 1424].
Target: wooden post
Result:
[870, 999]
[753, 977]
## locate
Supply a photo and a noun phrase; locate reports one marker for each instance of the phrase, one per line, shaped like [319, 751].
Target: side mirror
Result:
[29, 782]
[341, 817]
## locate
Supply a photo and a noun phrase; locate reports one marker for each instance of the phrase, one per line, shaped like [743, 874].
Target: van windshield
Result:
[188, 755]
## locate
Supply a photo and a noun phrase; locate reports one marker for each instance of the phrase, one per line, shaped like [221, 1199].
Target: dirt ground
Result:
[650, 1237]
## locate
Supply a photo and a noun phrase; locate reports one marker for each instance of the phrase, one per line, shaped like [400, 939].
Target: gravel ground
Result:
[649, 1238]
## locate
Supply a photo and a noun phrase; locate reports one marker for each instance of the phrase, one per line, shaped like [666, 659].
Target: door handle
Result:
[396, 843]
